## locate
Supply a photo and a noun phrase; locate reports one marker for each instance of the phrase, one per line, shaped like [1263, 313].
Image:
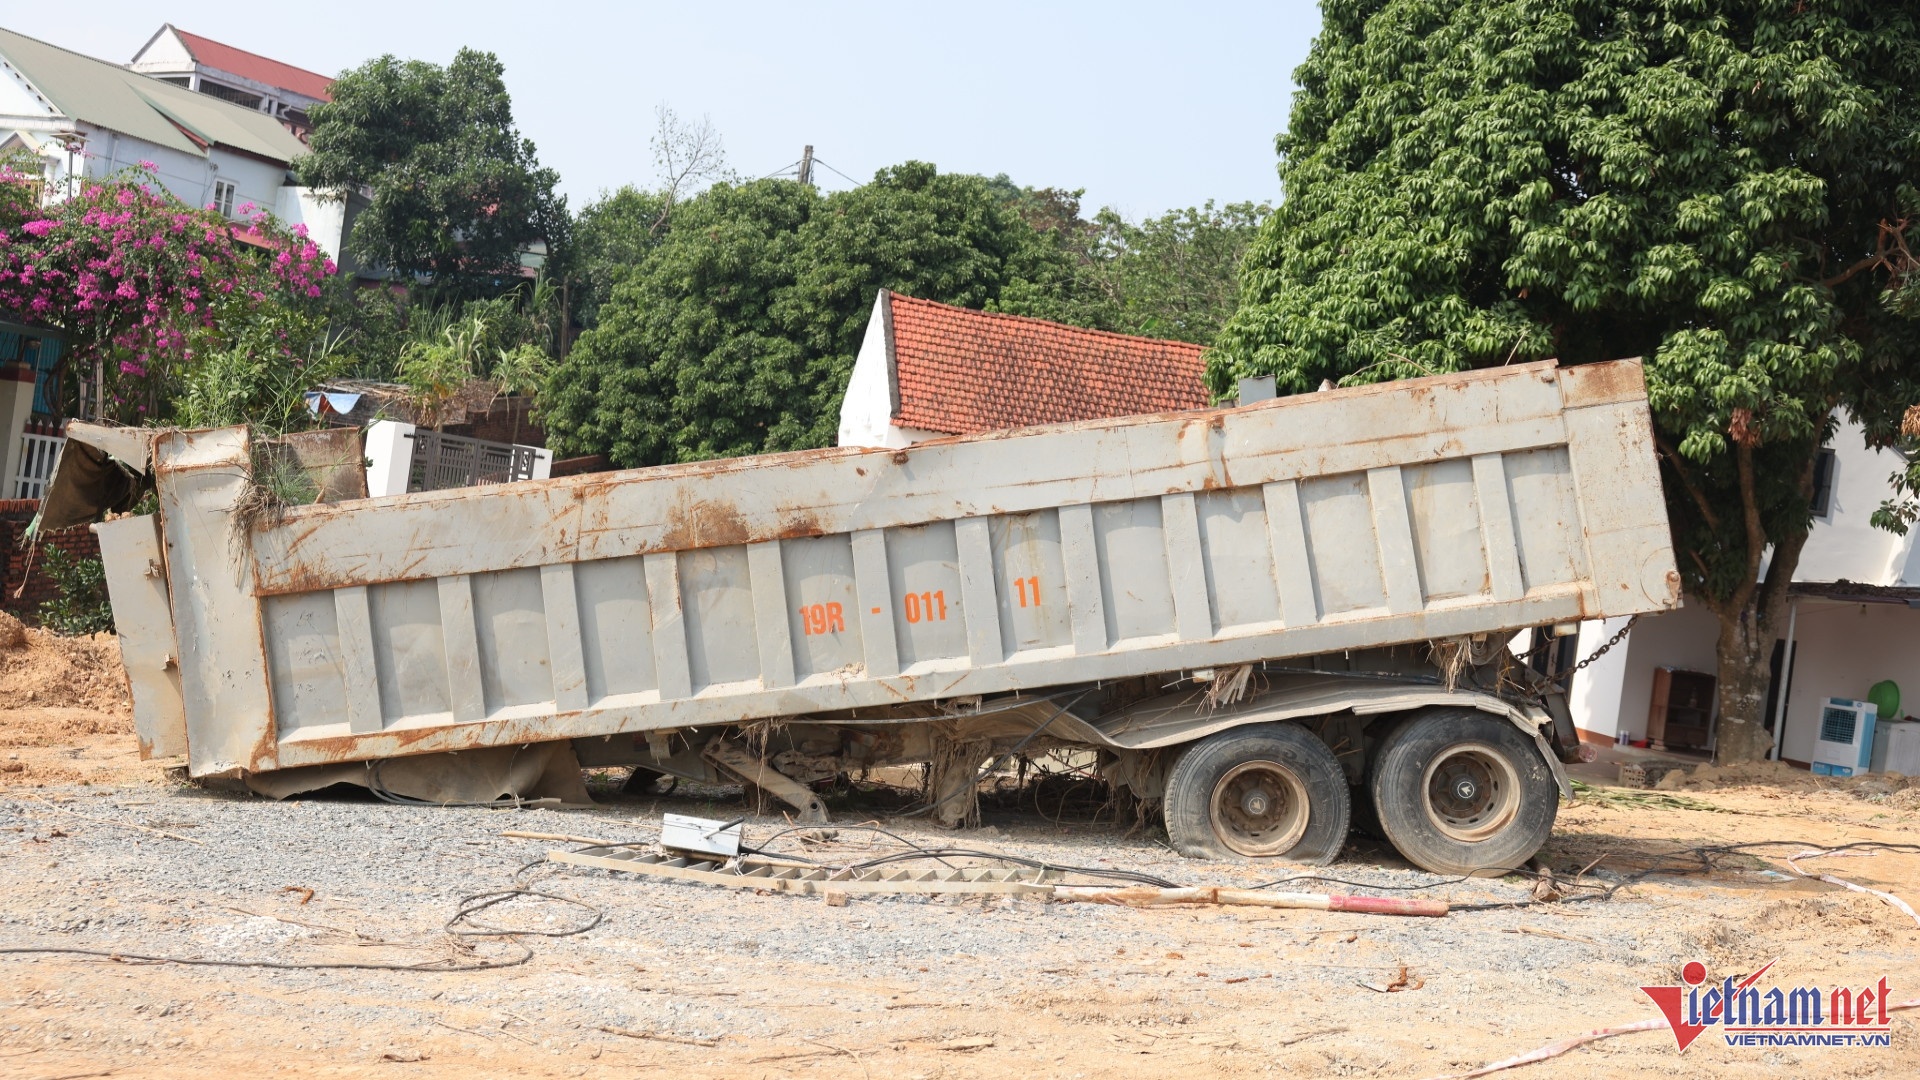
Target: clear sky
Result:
[1148, 107]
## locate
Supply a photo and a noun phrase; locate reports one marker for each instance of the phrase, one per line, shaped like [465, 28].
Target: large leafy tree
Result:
[1173, 276]
[612, 235]
[1719, 186]
[736, 332]
[457, 192]
[1176, 275]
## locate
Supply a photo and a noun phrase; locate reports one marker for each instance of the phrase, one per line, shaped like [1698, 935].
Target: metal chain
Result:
[1602, 650]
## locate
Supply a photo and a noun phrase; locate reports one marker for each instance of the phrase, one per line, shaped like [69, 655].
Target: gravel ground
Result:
[776, 983]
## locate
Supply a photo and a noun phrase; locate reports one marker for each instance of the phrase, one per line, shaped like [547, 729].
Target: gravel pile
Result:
[89, 869]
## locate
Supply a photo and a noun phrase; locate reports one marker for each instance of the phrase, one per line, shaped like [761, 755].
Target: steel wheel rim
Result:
[1471, 792]
[1259, 808]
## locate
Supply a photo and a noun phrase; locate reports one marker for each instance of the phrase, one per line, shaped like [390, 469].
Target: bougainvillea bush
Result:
[142, 284]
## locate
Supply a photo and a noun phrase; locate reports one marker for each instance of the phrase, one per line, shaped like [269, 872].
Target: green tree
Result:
[1709, 184]
[735, 334]
[1174, 276]
[457, 192]
[612, 235]
[1178, 275]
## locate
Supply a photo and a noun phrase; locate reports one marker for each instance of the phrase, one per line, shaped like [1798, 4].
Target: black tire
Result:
[1262, 791]
[1463, 792]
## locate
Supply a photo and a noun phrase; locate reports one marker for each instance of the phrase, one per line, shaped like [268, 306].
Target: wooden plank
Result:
[974, 541]
[1393, 529]
[561, 601]
[770, 623]
[874, 593]
[1496, 527]
[669, 626]
[362, 677]
[1079, 553]
[461, 640]
[1192, 615]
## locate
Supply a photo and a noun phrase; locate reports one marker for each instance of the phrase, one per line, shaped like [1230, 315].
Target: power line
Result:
[837, 172]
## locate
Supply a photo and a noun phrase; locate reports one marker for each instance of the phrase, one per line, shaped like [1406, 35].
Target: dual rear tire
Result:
[1455, 790]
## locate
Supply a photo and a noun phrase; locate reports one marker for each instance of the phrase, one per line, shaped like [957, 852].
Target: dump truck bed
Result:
[791, 584]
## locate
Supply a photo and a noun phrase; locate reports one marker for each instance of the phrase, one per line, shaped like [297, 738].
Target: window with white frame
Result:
[1824, 464]
[223, 197]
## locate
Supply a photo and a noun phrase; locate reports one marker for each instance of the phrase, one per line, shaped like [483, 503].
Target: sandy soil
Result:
[730, 983]
[65, 716]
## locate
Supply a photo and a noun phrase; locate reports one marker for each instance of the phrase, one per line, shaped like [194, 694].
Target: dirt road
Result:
[98, 852]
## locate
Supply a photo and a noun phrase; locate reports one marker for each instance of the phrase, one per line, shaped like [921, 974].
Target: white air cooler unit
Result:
[1845, 744]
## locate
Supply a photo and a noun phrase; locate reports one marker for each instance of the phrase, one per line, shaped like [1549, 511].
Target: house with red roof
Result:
[247, 79]
[928, 371]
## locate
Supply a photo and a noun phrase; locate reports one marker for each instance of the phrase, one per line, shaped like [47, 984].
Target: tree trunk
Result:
[1745, 653]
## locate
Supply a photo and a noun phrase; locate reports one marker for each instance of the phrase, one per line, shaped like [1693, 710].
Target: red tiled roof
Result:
[256, 67]
[962, 372]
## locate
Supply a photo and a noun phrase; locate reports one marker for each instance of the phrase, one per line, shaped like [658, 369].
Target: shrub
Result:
[80, 603]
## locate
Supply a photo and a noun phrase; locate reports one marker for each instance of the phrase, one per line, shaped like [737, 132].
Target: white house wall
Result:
[184, 175]
[1843, 649]
[866, 413]
[18, 99]
[1844, 545]
[166, 52]
[1682, 639]
[1594, 696]
[325, 219]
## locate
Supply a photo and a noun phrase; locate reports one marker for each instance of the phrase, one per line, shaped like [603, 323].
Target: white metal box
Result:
[1896, 747]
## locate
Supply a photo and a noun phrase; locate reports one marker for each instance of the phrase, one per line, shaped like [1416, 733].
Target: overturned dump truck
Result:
[1274, 620]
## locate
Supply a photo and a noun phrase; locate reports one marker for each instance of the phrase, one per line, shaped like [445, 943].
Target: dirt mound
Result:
[1711, 777]
[54, 672]
[1899, 791]
[13, 633]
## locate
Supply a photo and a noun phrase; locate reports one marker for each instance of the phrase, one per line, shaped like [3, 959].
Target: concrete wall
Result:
[1843, 650]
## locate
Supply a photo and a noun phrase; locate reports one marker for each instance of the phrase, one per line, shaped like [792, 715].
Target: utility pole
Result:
[806, 166]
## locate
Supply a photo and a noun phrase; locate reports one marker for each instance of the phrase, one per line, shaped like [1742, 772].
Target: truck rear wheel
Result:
[1263, 791]
[1463, 792]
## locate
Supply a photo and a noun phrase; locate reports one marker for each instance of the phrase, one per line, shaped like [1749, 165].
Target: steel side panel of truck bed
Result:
[798, 583]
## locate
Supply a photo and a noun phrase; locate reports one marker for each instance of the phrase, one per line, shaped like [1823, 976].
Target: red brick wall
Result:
[78, 542]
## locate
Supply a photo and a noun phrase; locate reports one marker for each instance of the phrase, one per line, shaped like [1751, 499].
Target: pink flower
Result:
[148, 165]
[39, 228]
